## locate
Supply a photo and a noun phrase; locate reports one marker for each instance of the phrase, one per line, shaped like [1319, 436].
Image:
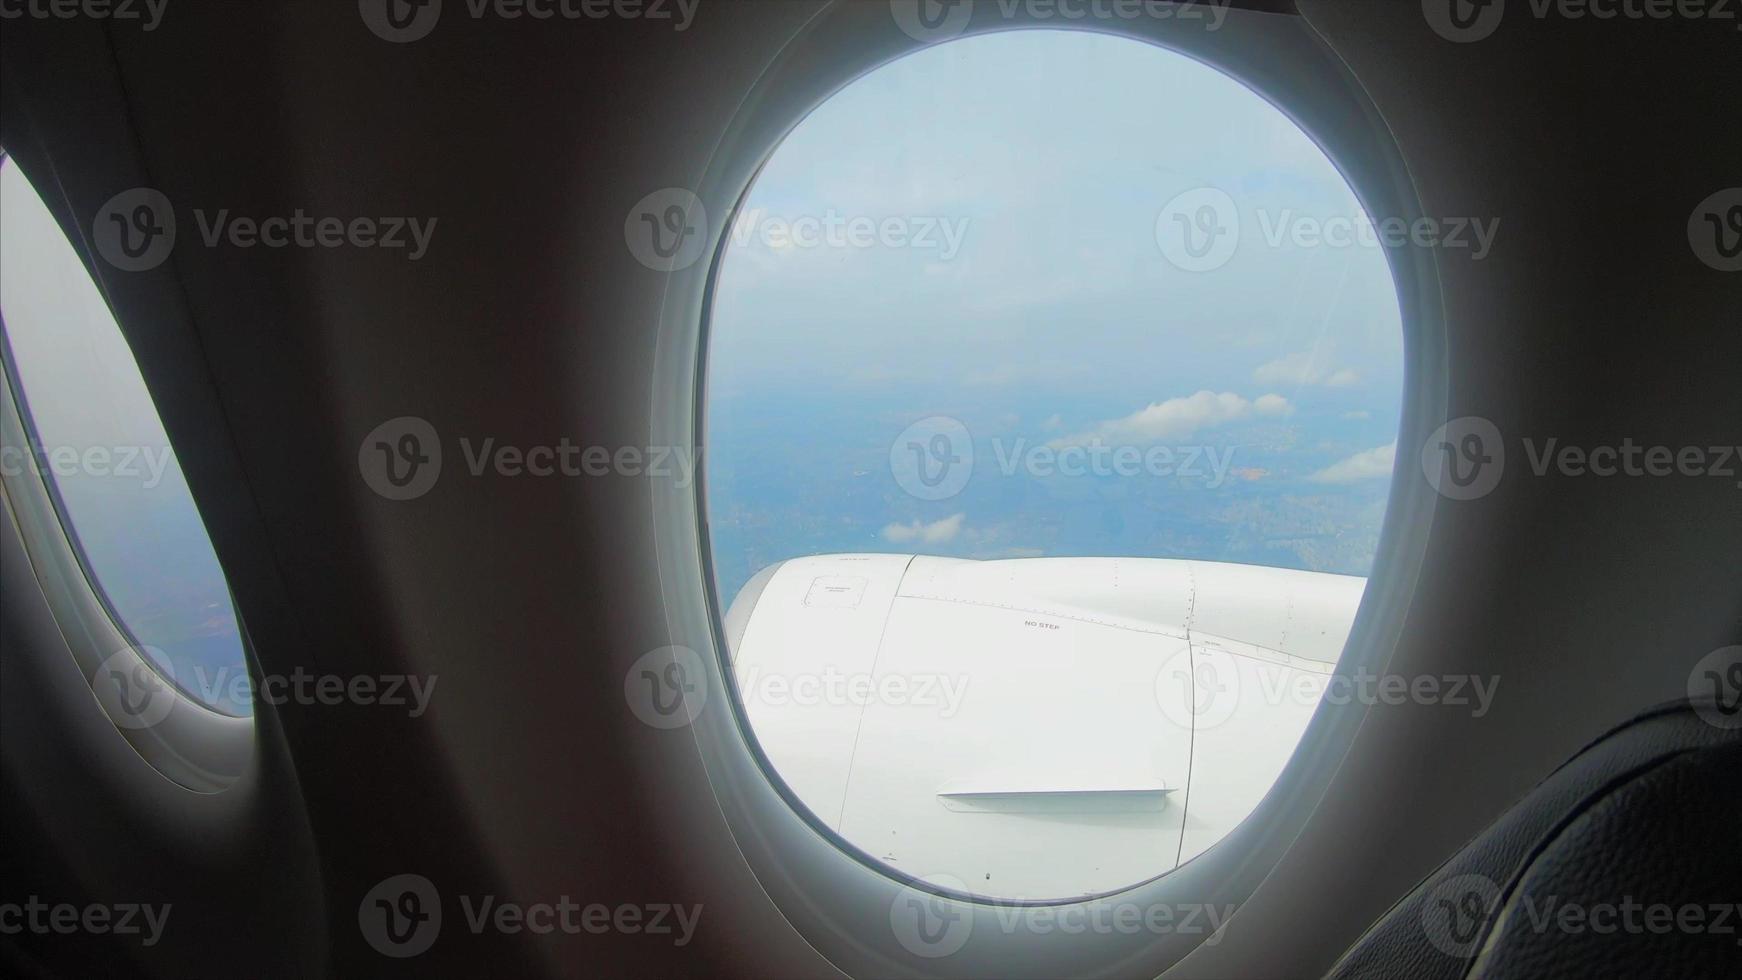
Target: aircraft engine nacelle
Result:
[1034, 728]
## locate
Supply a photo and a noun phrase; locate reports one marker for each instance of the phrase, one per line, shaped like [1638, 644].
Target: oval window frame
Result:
[825, 886]
[195, 746]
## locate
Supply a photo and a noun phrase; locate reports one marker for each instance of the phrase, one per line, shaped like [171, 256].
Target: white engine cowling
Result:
[1033, 728]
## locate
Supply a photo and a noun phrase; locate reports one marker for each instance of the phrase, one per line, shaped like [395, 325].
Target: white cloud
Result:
[1368, 465]
[1177, 418]
[1272, 405]
[934, 533]
[1304, 368]
[1359, 414]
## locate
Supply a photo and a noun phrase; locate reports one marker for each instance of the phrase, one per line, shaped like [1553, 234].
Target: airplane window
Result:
[101, 450]
[1053, 388]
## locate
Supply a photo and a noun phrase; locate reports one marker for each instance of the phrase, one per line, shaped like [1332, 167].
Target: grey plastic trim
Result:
[738, 617]
[189, 743]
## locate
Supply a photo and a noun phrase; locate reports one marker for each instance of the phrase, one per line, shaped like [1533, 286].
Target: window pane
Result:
[1053, 386]
[103, 451]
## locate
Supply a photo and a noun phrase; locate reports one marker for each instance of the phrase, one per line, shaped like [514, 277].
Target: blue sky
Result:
[1053, 318]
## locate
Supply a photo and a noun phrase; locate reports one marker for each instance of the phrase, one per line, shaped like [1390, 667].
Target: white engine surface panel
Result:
[810, 642]
[1035, 728]
[1049, 707]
